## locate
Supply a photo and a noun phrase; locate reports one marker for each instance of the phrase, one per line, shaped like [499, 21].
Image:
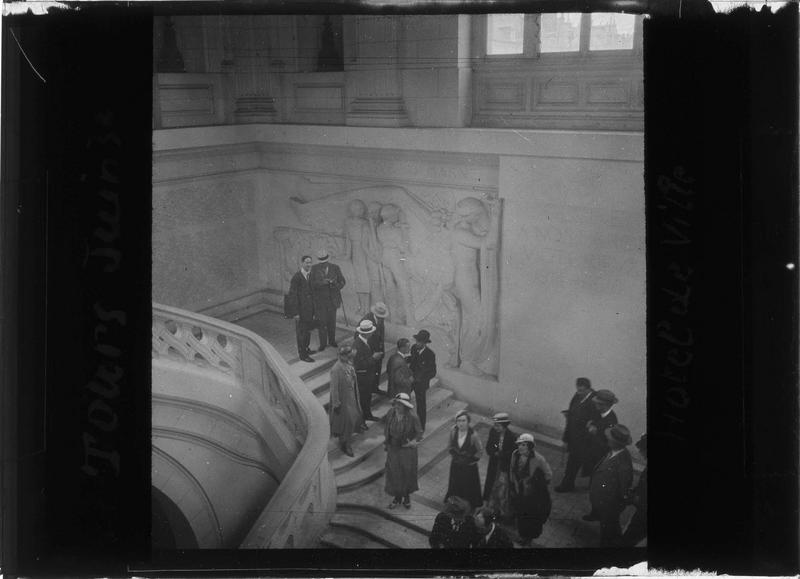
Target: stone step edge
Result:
[382, 513]
[365, 533]
[353, 485]
[445, 396]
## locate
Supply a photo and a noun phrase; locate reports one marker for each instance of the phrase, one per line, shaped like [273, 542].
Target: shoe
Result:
[564, 489]
[363, 428]
[347, 450]
[590, 517]
[333, 345]
[407, 503]
[306, 358]
[393, 505]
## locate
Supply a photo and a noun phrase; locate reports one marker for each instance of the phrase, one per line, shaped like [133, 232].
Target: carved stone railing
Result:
[301, 506]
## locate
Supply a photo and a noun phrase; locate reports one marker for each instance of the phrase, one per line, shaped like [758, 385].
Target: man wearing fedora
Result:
[611, 480]
[603, 418]
[327, 282]
[377, 314]
[299, 304]
[364, 364]
[576, 437]
[423, 365]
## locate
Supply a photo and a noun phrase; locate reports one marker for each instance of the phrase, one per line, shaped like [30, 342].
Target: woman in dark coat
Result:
[529, 475]
[403, 432]
[344, 410]
[501, 443]
[454, 528]
[491, 535]
[466, 449]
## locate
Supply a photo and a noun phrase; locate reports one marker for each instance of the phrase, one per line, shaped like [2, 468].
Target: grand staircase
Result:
[362, 520]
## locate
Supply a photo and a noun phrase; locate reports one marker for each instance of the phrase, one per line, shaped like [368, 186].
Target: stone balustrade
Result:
[265, 421]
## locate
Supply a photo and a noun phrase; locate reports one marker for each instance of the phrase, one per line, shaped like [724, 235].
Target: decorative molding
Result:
[556, 93]
[608, 93]
[313, 97]
[505, 95]
[255, 109]
[378, 112]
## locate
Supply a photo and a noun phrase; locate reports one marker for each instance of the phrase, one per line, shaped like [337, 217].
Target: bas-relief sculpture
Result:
[433, 261]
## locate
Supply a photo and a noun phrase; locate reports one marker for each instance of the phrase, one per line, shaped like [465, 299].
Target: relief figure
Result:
[393, 238]
[361, 248]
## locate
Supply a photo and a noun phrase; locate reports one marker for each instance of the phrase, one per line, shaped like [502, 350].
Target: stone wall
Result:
[570, 258]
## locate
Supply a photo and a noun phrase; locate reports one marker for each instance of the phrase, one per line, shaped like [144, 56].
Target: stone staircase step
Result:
[372, 440]
[345, 537]
[405, 530]
[371, 467]
[418, 519]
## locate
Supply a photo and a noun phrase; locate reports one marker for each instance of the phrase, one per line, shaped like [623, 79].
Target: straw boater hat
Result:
[365, 327]
[403, 399]
[501, 417]
[322, 255]
[619, 433]
[380, 310]
[606, 396]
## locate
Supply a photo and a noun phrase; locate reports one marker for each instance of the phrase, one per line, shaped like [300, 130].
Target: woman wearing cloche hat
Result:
[402, 433]
[499, 446]
[529, 498]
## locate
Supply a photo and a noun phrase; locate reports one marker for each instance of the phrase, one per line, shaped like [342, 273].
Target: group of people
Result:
[596, 447]
[517, 478]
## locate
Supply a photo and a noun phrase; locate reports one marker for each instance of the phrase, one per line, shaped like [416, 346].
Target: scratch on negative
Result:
[26, 56]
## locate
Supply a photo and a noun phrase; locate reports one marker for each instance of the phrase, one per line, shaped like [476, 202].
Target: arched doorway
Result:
[170, 529]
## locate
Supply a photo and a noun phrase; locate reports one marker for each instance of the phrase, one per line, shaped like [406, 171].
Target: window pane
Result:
[612, 32]
[560, 32]
[504, 33]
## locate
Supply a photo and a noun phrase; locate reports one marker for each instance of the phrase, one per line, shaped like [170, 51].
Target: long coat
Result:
[423, 365]
[464, 478]
[528, 493]
[327, 295]
[363, 358]
[581, 411]
[344, 396]
[499, 458]
[376, 338]
[299, 299]
[611, 480]
[598, 443]
[399, 377]
[401, 460]
[450, 532]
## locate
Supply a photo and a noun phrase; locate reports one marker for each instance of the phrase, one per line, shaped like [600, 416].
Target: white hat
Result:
[322, 255]
[380, 310]
[403, 399]
[365, 327]
[525, 437]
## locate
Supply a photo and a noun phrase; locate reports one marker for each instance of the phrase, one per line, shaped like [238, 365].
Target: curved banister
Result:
[301, 506]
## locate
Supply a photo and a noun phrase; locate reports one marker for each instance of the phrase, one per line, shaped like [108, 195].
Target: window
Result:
[560, 33]
[504, 33]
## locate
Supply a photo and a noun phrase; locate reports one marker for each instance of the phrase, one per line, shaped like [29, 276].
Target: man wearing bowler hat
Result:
[603, 419]
[576, 438]
[611, 480]
[423, 365]
[327, 282]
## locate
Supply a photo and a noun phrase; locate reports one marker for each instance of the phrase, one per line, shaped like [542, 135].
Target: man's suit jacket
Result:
[580, 412]
[376, 338]
[597, 443]
[299, 299]
[399, 377]
[423, 365]
[362, 362]
[327, 288]
[499, 458]
[611, 479]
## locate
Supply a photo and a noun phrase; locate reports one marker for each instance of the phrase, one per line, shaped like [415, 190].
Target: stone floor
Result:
[564, 529]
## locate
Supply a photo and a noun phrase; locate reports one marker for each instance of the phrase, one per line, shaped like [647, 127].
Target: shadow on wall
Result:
[170, 529]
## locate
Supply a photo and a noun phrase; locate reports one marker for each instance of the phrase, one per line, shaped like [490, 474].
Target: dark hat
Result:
[606, 396]
[641, 444]
[583, 383]
[619, 433]
[457, 506]
[423, 336]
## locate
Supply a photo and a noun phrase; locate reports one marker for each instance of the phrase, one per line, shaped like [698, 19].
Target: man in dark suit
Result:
[399, 377]
[576, 437]
[637, 496]
[378, 312]
[364, 364]
[611, 481]
[499, 446]
[423, 365]
[603, 418]
[327, 282]
[300, 306]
